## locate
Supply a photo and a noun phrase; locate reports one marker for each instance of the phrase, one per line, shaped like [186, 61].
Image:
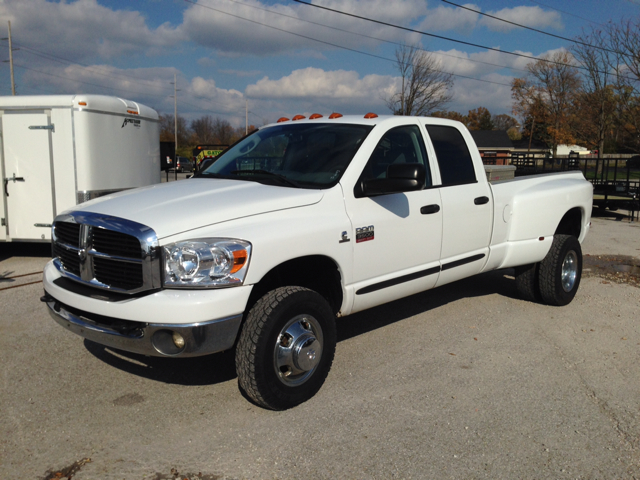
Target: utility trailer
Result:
[57, 151]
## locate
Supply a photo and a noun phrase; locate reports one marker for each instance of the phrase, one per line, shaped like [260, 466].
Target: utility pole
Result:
[13, 83]
[175, 123]
[246, 116]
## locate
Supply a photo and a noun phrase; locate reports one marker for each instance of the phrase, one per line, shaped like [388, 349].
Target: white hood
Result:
[176, 207]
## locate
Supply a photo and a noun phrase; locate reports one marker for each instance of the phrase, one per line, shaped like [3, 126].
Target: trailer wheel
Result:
[286, 347]
[527, 282]
[561, 270]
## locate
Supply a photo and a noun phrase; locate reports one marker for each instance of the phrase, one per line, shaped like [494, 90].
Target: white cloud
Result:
[315, 83]
[84, 29]
[234, 27]
[447, 18]
[534, 17]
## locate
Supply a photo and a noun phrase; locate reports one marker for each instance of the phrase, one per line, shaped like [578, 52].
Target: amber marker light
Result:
[314, 116]
[84, 104]
[282, 119]
[239, 259]
[298, 117]
[371, 115]
[335, 115]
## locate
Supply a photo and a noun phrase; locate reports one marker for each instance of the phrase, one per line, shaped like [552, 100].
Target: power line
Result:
[332, 44]
[532, 29]
[567, 13]
[412, 30]
[371, 37]
[546, 60]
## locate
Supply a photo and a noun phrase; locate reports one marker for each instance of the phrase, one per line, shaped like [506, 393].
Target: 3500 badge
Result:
[364, 234]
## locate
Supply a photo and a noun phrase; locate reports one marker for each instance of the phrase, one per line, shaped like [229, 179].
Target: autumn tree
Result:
[424, 85]
[450, 114]
[479, 119]
[504, 122]
[550, 89]
[167, 129]
[596, 102]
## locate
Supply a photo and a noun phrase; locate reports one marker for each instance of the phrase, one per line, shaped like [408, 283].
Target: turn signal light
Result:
[239, 259]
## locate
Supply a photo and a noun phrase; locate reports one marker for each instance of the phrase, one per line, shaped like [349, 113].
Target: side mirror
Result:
[401, 177]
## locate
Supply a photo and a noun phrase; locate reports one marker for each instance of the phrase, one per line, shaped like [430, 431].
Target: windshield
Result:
[306, 155]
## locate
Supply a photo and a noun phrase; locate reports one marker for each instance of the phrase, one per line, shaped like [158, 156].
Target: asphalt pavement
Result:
[466, 381]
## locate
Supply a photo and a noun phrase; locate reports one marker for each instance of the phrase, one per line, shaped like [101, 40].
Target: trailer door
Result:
[28, 182]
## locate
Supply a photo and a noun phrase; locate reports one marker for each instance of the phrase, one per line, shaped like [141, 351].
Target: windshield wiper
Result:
[271, 174]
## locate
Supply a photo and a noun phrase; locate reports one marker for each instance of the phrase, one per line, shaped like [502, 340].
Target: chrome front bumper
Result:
[155, 339]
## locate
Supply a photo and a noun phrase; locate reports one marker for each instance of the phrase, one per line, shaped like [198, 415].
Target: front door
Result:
[28, 182]
[397, 237]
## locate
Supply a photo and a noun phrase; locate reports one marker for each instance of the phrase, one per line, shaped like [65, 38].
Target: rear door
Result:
[28, 181]
[467, 205]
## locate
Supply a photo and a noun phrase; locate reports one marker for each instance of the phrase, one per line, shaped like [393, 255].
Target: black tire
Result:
[277, 354]
[527, 282]
[561, 270]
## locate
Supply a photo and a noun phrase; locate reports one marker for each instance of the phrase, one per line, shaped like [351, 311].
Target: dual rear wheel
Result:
[556, 279]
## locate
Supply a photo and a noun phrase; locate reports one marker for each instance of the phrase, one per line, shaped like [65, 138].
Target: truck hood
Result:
[176, 207]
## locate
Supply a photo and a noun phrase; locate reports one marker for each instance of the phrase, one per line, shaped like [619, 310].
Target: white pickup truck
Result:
[301, 222]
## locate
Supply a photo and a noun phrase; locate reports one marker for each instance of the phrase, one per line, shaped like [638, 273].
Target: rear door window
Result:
[454, 159]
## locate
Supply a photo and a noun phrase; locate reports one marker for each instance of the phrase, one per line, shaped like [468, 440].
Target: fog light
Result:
[178, 340]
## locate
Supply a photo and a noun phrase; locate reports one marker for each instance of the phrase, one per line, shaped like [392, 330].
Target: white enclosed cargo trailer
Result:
[57, 151]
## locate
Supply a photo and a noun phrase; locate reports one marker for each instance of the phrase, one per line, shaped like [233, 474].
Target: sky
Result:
[281, 58]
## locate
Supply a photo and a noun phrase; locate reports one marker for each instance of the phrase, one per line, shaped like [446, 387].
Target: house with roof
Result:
[495, 146]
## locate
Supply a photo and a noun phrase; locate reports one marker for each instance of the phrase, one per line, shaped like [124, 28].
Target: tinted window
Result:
[308, 155]
[399, 145]
[454, 159]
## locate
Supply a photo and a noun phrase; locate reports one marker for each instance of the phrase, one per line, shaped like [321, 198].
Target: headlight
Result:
[206, 262]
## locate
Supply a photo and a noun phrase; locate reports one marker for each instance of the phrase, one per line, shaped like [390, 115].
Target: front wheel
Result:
[286, 347]
[561, 270]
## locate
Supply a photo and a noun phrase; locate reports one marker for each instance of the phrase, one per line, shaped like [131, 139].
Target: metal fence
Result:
[616, 180]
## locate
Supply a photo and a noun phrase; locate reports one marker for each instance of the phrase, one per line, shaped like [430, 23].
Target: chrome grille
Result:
[106, 252]
[68, 233]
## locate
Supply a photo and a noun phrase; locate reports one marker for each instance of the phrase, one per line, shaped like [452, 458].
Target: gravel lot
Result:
[466, 381]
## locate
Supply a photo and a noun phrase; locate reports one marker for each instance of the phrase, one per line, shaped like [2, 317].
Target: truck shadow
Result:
[220, 367]
[24, 249]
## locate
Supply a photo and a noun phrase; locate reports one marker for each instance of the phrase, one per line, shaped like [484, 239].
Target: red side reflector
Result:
[314, 116]
[282, 119]
[371, 115]
[335, 115]
[298, 117]
[541, 239]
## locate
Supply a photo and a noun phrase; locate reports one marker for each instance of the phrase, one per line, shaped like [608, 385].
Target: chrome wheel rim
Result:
[569, 271]
[298, 350]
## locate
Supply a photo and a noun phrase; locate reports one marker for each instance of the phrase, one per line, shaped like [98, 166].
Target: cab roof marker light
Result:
[314, 116]
[282, 119]
[298, 117]
[335, 115]
[371, 115]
